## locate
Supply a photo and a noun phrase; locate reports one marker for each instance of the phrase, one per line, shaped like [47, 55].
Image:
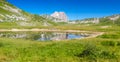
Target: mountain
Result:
[114, 19]
[60, 17]
[10, 13]
[90, 20]
[11, 16]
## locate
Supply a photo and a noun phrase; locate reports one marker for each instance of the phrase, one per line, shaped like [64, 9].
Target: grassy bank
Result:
[92, 27]
[97, 49]
[85, 50]
[104, 48]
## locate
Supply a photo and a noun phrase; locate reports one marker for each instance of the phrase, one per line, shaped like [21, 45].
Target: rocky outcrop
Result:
[60, 17]
[115, 17]
[93, 20]
[9, 12]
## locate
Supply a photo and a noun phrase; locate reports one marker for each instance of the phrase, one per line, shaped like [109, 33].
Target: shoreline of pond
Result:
[93, 35]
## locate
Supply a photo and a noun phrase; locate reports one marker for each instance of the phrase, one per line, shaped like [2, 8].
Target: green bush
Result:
[111, 35]
[118, 43]
[89, 51]
[93, 52]
[1, 44]
[108, 55]
[108, 43]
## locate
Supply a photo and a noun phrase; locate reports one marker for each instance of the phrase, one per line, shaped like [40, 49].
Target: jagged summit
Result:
[60, 16]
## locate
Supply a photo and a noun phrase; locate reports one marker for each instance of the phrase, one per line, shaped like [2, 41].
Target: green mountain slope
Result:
[108, 20]
[9, 13]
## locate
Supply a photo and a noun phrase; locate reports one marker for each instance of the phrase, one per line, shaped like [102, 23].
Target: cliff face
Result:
[60, 17]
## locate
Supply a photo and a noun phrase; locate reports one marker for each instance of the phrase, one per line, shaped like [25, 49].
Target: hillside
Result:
[113, 19]
[11, 15]
[8, 12]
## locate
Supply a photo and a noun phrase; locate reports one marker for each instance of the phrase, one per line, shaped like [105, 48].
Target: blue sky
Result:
[75, 9]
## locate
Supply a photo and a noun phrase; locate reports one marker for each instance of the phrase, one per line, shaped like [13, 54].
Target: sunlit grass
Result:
[69, 50]
[104, 48]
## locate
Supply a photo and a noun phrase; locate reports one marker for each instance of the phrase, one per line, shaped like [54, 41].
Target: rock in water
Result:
[60, 17]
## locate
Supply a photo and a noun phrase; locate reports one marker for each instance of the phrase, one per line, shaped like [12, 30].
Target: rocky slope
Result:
[114, 19]
[10, 13]
[60, 17]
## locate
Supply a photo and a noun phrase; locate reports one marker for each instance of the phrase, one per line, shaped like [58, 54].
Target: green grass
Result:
[104, 48]
[111, 28]
[95, 49]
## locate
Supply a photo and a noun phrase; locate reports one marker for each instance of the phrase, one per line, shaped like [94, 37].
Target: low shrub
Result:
[108, 55]
[90, 51]
[108, 43]
[1, 44]
[110, 35]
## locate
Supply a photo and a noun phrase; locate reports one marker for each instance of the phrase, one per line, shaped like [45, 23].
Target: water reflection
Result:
[41, 36]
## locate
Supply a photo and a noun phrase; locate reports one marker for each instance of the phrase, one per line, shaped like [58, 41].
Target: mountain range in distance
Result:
[10, 13]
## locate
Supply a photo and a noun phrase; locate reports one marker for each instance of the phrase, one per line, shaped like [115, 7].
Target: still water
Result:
[42, 36]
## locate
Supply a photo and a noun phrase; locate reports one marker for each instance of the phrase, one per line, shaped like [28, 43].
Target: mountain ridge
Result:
[113, 19]
[11, 13]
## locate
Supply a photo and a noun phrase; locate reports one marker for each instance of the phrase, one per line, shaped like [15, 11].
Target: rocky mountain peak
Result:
[60, 16]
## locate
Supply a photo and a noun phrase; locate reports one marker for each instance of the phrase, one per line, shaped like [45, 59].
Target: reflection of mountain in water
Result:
[59, 36]
[40, 36]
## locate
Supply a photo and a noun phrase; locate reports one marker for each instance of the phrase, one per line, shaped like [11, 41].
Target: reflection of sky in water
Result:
[60, 36]
[41, 36]
[73, 36]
